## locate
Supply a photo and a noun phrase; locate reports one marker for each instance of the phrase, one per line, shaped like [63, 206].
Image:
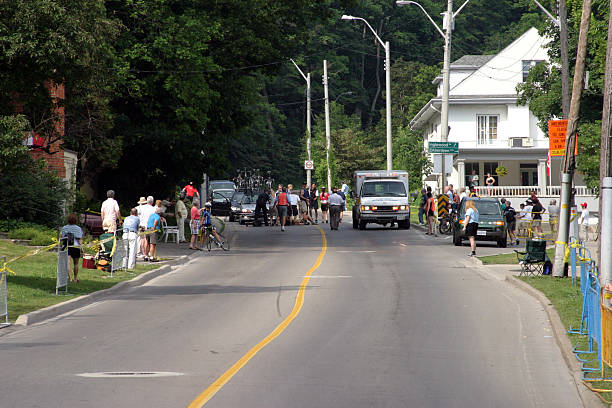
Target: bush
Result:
[23, 233]
[8, 225]
[43, 238]
[38, 236]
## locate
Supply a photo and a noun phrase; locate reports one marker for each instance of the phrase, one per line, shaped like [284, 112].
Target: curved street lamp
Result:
[387, 48]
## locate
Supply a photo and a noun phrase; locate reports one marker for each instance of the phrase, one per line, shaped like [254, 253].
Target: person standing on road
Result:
[323, 197]
[314, 202]
[343, 208]
[304, 201]
[470, 224]
[294, 199]
[282, 204]
[153, 226]
[462, 194]
[336, 204]
[430, 208]
[181, 216]
[110, 213]
[422, 206]
[261, 207]
[131, 225]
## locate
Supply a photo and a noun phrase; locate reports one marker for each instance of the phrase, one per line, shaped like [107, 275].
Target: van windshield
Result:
[222, 185]
[383, 189]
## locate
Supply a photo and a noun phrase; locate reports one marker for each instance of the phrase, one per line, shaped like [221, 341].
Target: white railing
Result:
[524, 191]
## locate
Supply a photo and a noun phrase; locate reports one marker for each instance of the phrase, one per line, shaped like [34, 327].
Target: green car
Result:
[491, 222]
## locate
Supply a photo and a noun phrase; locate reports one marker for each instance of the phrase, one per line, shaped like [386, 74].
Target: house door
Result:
[529, 174]
[489, 167]
[468, 173]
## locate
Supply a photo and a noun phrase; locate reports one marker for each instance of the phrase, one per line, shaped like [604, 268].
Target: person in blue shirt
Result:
[130, 229]
[153, 225]
[470, 224]
[206, 222]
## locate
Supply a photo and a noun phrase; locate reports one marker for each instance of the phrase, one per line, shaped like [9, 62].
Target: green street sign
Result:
[444, 147]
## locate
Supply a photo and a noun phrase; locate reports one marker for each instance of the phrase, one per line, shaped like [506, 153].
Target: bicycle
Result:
[445, 225]
[210, 239]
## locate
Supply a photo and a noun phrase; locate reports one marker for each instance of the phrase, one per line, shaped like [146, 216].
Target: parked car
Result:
[221, 202]
[247, 209]
[235, 205]
[491, 223]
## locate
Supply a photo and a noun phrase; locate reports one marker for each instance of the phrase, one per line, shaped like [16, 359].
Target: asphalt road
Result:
[389, 319]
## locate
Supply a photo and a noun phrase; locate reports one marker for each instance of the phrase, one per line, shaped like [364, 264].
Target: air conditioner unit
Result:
[521, 142]
[516, 142]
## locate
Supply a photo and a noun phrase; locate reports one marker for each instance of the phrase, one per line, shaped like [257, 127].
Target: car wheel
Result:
[457, 239]
[403, 224]
[502, 242]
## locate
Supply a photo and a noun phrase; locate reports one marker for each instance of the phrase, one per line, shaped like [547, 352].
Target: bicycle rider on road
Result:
[206, 222]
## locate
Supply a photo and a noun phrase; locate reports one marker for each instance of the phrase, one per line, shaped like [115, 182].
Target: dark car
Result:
[221, 203]
[491, 223]
[235, 205]
[215, 185]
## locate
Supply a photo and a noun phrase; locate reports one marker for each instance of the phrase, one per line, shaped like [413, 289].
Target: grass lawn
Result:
[567, 300]
[33, 285]
[509, 258]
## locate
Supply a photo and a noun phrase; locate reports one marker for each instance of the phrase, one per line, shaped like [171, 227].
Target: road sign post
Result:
[444, 147]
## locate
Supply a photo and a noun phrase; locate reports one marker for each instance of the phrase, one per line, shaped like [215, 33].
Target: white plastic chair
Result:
[169, 230]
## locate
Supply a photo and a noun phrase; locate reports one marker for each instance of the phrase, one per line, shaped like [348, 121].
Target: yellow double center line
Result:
[212, 389]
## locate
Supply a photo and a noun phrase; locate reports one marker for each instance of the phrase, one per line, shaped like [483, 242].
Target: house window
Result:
[527, 65]
[529, 174]
[469, 178]
[487, 128]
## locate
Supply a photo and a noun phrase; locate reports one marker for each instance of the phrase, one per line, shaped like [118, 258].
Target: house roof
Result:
[475, 61]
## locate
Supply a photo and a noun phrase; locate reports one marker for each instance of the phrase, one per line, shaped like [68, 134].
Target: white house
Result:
[492, 130]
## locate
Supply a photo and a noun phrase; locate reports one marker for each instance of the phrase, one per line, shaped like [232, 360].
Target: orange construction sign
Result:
[557, 133]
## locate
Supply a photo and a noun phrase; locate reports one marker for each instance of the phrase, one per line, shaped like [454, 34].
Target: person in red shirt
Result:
[190, 191]
[282, 204]
[323, 197]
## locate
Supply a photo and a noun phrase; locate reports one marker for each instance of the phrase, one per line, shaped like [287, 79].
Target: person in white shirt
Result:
[144, 212]
[462, 193]
[181, 216]
[293, 201]
[553, 213]
[584, 221]
[336, 203]
[110, 213]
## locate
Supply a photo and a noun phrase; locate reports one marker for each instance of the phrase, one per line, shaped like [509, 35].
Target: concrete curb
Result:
[589, 398]
[49, 312]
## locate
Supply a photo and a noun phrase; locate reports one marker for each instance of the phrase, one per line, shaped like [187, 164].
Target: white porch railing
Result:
[522, 191]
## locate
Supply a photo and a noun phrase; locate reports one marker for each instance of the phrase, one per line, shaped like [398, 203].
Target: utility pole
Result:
[605, 171]
[448, 19]
[327, 128]
[569, 159]
[561, 23]
[563, 38]
[308, 128]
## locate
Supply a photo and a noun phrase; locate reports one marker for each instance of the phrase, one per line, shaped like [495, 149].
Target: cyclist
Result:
[206, 221]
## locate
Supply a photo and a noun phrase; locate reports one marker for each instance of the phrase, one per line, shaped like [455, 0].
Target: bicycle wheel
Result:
[445, 226]
[209, 242]
[225, 245]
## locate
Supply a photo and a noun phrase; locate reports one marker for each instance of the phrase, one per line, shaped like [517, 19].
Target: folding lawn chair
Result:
[533, 259]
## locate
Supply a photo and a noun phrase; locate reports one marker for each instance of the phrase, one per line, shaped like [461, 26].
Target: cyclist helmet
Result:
[207, 205]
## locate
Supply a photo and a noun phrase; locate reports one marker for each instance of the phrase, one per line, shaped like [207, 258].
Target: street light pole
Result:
[308, 128]
[327, 127]
[387, 48]
[449, 19]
